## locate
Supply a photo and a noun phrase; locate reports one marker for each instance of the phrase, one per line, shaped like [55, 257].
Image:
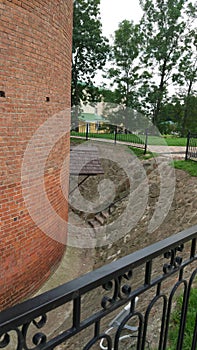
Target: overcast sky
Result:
[115, 11]
[112, 13]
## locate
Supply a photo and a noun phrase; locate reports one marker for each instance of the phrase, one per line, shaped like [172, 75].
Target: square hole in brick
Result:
[2, 93]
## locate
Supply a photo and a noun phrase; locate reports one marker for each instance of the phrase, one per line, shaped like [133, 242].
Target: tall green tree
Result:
[171, 116]
[190, 123]
[187, 78]
[164, 26]
[124, 74]
[90, 49]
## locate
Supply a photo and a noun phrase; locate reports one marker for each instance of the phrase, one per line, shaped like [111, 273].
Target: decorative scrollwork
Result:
[4, 340]
[7, 341]
[128, 275]
[114, 286]
[38, 338]
[175, 261]
[39, 324]
[108, 285]
[119, 291]
[106, 302]
[125, 289]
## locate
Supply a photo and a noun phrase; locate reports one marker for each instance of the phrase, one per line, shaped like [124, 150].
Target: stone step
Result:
[104, 214]
[99, 218]
[93, 223]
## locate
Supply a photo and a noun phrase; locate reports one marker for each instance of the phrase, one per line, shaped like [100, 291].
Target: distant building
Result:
[95, 122]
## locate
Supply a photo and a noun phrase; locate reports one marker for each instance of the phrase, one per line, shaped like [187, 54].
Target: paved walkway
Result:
[176, 152]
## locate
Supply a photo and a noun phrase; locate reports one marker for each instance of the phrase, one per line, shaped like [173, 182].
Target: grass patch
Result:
[170, 141]
[139, 152]
[190, 166]
[76, 141]
[190, 322]
[176, 141]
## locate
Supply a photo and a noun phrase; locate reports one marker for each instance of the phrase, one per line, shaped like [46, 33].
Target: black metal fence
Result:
[125, 304]
[191, 148]
[111, 132]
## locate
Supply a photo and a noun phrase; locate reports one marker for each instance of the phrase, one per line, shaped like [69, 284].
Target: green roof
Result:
[92, 118]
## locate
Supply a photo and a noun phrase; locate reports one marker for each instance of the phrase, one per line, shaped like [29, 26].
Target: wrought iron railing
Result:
[112, 132]
[191, 148]
[89, 305]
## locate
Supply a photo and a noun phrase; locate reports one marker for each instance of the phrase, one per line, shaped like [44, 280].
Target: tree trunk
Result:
[185, 116]
[160, 96]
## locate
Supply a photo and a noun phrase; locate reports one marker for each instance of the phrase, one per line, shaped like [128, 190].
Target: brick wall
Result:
[35, 60]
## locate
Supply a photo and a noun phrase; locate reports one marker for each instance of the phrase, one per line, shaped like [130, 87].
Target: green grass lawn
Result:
[76, 141]
[190, 166]
[170, 141]
[178, 141]
[190, 322]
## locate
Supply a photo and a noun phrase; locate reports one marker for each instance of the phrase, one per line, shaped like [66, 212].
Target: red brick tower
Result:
[35, 58]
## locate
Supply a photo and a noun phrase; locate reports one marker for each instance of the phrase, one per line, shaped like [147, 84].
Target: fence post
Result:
[146, 141]
[187, 146]
[87, 127]
[115, 134]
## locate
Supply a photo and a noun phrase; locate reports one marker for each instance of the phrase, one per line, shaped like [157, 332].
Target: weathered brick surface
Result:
[35, 66]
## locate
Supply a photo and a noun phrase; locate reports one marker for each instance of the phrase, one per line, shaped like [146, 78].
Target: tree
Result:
[171, 115]
[190, 123]
[124, 74]
[174, 113]
[164, 26]
[90, 49]
[187, 76]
